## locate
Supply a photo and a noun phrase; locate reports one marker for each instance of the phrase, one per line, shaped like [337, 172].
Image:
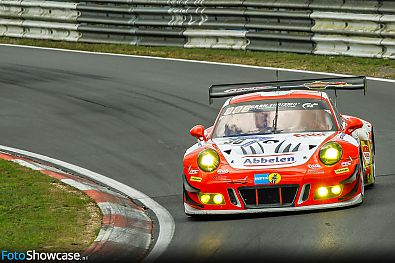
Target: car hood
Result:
[269, 151]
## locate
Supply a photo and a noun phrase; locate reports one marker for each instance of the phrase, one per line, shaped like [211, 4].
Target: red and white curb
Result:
[126, 231]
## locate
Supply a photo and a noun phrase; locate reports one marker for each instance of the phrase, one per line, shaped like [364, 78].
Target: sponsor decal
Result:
[258, 160]
[341, 135]
[342, 170]
[248, 143]
[325, 84]
[241, 180]
[313, 134]
[366, 155]
[245, 89]
[344, 164]
[220, 177]
[259, 107]
[366, 152]
[192, 171]
[272, 178]
[196, 179]
[314, 166]
[222, 171]
[309, 105]
[365, 148]
[315, 171]
[261, 178]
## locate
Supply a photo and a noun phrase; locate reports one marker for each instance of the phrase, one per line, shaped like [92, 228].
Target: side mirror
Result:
[353, 124]
[198, 132]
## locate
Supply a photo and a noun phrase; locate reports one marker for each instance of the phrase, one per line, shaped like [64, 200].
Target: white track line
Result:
[197, 61]
[166, 221]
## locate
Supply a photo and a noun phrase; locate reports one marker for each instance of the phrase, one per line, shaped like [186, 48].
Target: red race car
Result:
[279, 146]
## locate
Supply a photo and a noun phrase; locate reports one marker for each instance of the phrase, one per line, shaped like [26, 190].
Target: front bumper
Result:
[189, 210]
[295, 194]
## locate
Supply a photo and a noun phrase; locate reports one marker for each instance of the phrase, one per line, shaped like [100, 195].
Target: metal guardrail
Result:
[364, 28]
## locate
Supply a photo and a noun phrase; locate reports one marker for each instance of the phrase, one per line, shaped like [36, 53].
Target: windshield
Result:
[257, 117]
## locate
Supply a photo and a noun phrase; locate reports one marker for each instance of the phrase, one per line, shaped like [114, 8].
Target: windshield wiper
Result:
[274, 128]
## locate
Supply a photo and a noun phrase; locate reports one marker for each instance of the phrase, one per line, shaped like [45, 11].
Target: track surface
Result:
[128, 118]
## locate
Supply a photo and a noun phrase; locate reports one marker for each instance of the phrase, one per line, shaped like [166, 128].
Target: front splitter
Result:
[193, 211]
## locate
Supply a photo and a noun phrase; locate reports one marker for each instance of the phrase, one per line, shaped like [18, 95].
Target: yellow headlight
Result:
[204, 198]
[322, 191]
[331, 153]
[325, 192]
[211, 198]
[208, 160]
[336, 190]
[218, 199]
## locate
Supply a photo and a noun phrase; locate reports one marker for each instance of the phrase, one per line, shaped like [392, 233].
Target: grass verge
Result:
[42, 213]
[384, 68]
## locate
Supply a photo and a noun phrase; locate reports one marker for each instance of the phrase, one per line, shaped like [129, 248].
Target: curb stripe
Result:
[122, 235]
[27, 164]
[54, 175]
[126, 222]
[117, 209]
[101, 197]
[76, 184]
[6, 157]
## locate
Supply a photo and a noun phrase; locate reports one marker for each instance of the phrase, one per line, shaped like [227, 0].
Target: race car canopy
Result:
[339, 83]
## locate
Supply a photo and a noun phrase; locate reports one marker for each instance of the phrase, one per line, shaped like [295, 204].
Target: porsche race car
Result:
[279, 146]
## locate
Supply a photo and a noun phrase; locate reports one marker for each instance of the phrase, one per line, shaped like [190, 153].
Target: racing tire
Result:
[373, 165]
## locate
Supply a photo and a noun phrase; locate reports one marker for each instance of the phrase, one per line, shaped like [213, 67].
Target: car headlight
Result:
[208, 160]
[331, 153]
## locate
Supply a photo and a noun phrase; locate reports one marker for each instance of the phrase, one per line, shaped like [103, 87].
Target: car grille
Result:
[268, 196]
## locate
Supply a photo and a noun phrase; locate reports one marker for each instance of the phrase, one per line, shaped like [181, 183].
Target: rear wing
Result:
[339, 83]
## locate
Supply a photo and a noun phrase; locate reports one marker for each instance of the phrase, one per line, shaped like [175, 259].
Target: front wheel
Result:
[367, 160]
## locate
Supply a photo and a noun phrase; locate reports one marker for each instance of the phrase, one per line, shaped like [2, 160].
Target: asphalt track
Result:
[128, 118]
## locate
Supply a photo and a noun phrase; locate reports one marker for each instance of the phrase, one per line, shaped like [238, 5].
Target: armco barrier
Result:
[364, 28]
[39, 19]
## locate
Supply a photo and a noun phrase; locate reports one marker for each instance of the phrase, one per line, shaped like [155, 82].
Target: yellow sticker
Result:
[274, 178]
[196, 179]
[342, 170]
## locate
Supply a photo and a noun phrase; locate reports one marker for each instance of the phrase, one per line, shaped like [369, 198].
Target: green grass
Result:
[41, 213]
[384, 68]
